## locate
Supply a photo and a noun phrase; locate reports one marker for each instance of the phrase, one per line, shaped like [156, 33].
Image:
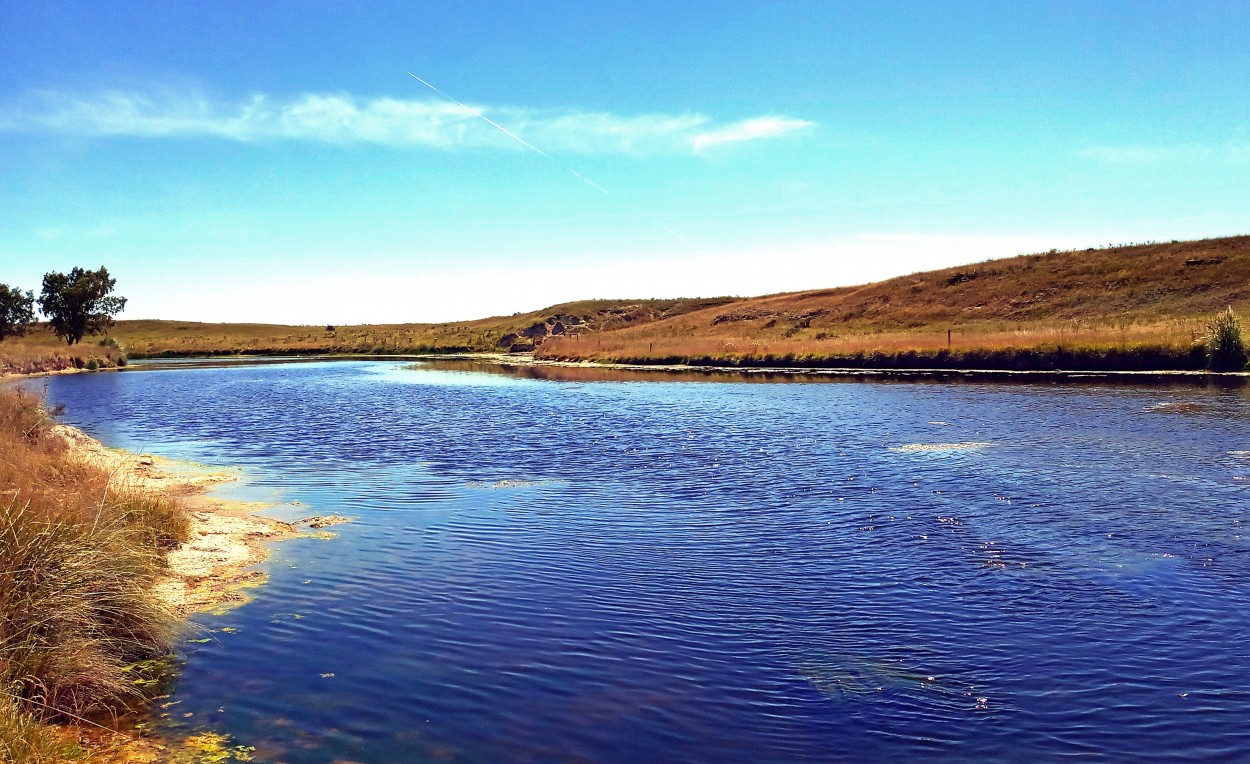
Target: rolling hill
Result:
[1119, 307]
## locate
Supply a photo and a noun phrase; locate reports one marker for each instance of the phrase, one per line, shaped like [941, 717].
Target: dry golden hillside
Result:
[1130, 298]
[518, 332]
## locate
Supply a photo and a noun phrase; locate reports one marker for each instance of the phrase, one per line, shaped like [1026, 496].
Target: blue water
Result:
[709, 569]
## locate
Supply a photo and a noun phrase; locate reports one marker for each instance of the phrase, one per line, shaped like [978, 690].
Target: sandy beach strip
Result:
[213, 569]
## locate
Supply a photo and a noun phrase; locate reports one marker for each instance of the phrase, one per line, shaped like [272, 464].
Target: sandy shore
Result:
[213, 569]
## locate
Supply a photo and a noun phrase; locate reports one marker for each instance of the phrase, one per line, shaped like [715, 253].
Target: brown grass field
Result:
[518, 332]
[1141, 306]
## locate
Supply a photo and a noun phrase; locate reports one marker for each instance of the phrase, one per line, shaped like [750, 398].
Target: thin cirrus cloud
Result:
[748, 130]
[340, 118]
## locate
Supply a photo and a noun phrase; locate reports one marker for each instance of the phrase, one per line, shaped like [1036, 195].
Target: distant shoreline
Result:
[528, 361]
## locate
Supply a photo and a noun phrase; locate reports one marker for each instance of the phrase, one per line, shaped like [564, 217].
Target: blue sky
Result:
[276, 162]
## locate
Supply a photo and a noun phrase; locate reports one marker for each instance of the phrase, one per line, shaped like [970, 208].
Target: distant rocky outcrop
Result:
[525, 340]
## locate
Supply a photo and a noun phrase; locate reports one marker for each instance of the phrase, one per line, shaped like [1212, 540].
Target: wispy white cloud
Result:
[342, 118]
[749, 130]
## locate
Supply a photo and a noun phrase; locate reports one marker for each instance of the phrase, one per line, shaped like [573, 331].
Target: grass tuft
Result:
[78, 560]
[1226, 350]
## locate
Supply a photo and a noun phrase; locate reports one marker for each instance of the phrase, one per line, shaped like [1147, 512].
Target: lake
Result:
[594, 567]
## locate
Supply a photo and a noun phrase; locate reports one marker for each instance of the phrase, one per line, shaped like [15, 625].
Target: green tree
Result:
[16, 311]
[1226, 351]
[80, 303]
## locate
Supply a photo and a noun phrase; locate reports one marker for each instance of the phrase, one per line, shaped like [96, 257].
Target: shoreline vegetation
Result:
[103, 554]
[1141, 307]
[35, 357]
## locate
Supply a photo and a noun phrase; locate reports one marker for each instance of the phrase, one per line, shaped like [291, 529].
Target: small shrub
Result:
[93, 365]
[1226, 351]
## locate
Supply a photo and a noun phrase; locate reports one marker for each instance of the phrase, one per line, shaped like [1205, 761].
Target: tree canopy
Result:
[80, 303]
[16, 311]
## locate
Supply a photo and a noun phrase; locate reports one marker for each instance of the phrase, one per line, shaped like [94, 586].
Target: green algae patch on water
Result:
[938, 448]
[841, 676]
[851, 679]
[325, 521]
[211, 748]
[235, 594]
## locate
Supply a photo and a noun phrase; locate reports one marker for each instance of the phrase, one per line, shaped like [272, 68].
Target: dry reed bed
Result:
[1170, 345]
[81, 629]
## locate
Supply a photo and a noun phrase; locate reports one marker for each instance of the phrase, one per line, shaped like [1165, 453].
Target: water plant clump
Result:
[1226, 349]
[78, 560]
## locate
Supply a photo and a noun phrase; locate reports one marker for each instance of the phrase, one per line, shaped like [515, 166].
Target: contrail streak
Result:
[555, 161]
[485, 119]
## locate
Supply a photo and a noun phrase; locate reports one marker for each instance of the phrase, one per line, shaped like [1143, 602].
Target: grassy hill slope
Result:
[518, 332]
[1140, 306]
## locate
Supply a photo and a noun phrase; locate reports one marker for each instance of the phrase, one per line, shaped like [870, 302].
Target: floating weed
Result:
[323, 521]
[319, 535]
[211, 748]
[849, 678]
[842, 676]
[939, 448]
[514, 483]
[1177, 407]
[236, 594]
[202, 641]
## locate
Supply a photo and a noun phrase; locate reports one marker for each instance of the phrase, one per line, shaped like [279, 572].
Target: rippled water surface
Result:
[708, 569]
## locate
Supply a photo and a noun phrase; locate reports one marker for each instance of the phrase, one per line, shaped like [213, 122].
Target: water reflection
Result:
[524, 368]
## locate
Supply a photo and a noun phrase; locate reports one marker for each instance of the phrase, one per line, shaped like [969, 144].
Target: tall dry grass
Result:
[1226, 350]
[1172, 344]
[25, 739]
[40, 352]
[80, 626]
